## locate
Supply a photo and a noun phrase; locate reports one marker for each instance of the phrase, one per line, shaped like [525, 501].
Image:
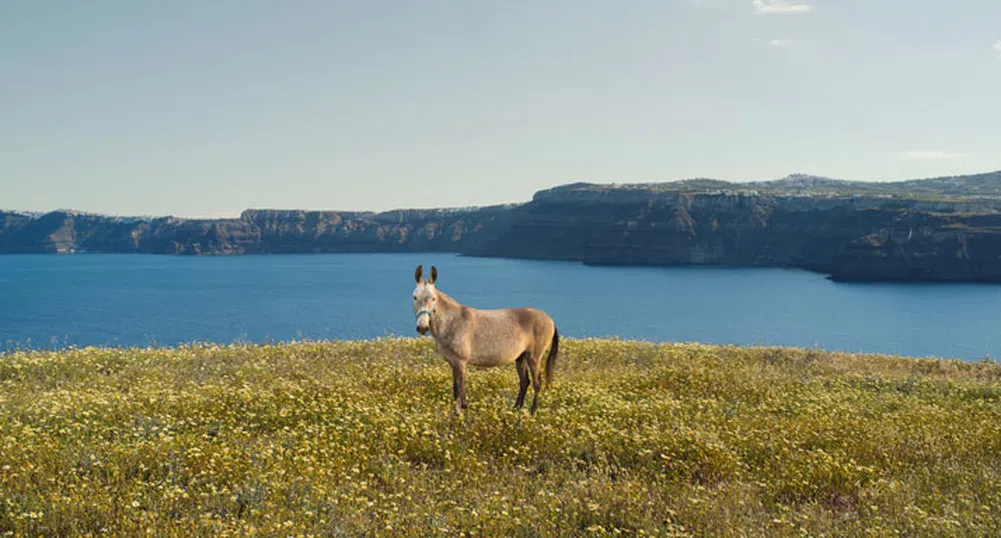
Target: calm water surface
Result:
[55, 301]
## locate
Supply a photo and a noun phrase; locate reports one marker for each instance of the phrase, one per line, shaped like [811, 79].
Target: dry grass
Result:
[634, 439]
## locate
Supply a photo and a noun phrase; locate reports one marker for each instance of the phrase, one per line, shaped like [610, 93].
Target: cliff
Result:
[943, 229]
[848, 237]
[257, 231]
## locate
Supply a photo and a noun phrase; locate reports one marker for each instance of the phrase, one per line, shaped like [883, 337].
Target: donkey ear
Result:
[434, 274]
[419, 273]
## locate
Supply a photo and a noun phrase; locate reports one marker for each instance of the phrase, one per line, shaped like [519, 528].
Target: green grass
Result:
[356, 438]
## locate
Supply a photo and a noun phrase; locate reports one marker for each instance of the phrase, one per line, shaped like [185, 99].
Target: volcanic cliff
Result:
[942, 229]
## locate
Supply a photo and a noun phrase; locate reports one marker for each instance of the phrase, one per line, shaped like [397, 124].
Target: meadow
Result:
[632, 439]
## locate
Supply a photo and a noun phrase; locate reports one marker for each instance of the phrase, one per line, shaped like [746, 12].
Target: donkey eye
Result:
[415, 297]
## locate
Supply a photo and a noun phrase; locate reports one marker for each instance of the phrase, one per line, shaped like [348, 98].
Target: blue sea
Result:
[49, 301]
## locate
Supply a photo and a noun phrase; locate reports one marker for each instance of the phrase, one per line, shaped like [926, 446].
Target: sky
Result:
[204, 108]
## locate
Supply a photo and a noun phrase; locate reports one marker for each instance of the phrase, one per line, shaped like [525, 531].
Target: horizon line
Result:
[238, 216]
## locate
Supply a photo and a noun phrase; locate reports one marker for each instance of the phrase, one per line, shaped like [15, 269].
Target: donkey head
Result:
[425, 297]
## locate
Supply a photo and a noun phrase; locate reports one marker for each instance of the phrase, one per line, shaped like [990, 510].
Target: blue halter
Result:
[422, 312]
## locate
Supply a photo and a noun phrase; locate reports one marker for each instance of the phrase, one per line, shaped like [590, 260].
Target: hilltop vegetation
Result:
[973, 186]
[355, 438]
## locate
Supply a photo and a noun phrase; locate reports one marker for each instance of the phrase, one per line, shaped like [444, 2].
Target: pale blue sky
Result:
[207, 107]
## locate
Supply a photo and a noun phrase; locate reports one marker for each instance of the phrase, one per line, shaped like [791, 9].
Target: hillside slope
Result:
[356, 439]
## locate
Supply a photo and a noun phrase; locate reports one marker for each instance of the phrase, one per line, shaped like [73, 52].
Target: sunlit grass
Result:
[356, 438]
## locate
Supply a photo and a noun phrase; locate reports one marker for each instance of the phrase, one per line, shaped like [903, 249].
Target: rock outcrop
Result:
[848, 237]
[941, 233]
[255, 232]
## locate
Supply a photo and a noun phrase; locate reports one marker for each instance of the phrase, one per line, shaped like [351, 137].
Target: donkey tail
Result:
[551, 359]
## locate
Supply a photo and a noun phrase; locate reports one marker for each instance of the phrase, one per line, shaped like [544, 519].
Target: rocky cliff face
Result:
[67, 231]
[435, 230]
[255, 232]
[851, 237]
[918, 246]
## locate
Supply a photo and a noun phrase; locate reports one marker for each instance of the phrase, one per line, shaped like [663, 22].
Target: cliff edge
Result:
[941, 229]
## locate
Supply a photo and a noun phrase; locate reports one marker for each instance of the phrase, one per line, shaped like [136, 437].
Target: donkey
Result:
[485, 338]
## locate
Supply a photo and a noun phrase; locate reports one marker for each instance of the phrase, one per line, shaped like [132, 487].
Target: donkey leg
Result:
[459, 386]
[536, 380]
[463, 401]
[522, 366]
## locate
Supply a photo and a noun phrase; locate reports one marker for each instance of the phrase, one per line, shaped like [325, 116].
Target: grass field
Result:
[356, 438]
